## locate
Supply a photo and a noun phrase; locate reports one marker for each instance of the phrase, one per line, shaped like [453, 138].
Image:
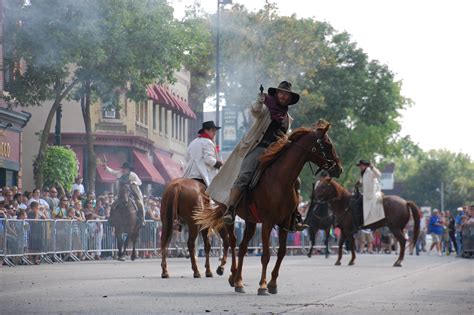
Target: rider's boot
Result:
[234, 198]
[140, 214]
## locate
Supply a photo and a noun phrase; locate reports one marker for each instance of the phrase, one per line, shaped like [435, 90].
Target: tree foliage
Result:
[337, 80]
[60, 167]
[422, 174]
[92, 51]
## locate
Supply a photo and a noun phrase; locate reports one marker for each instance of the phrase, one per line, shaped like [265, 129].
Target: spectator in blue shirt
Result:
[458, 228]
[436, 230]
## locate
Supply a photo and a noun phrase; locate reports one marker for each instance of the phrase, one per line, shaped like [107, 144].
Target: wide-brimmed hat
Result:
[286, 87]
[363, 162]
[208, 125]
[126, 165]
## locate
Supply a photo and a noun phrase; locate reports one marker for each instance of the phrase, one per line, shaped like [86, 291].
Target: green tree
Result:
[60, 167]
[43, 35]
[422, 175]
[92, 51]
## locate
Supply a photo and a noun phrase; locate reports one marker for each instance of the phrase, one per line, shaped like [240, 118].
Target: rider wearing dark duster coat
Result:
[270, 112]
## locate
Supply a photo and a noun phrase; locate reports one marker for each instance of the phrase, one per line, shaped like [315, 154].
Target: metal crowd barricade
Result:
[22, 241]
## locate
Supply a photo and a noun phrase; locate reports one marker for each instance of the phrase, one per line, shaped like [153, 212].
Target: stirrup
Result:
[229, 217]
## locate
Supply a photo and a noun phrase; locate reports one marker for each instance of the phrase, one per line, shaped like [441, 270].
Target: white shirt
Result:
[40, 201]
[132, 177]
[201, 156]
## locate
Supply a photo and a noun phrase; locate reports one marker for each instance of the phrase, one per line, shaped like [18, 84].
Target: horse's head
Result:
[321, 151]
[326, 190]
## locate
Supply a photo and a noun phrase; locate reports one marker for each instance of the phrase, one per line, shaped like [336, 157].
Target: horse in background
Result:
[274, 198]
[180, 198]
[319, 217]
[124, 220]
[397, 213]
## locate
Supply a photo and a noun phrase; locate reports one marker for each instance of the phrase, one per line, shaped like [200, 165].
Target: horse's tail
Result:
[209, 215]
[416, 219]
[169, 204]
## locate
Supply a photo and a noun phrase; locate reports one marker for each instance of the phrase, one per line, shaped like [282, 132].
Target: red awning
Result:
[145, 169]
[166, 165]
[163, 96]
[113, 162]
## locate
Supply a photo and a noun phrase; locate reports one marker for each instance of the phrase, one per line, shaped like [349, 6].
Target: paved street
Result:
[425, 284]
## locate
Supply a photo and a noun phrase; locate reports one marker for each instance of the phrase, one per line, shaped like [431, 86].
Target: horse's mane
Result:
[274, 150]
[340, 190]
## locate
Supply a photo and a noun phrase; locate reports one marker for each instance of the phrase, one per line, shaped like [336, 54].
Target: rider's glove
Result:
[261, 98]
[218, 164]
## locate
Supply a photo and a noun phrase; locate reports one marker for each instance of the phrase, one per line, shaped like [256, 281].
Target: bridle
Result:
[327, 164]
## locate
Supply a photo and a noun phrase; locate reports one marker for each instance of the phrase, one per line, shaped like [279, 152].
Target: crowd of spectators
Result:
[53, 203]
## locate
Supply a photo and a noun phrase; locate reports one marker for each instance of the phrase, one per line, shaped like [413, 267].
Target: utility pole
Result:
[218, 76]
[442, 196]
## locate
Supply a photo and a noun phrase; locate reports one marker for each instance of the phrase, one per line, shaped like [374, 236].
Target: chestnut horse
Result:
[124, 220]
[397, 214]
[180, 198]
[274, 198]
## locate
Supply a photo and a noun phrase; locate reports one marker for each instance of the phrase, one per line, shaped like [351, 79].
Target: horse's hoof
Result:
[220, 271]
[121, 258]
[397, 264]
[209, 274]
[133, 258]
[197, 275]
[338, 263]
[239, 289]
[262, 291]
[272, 290]
[327, 256]
[231, 281]
[309, 255]
[165, 275]
[351, 263]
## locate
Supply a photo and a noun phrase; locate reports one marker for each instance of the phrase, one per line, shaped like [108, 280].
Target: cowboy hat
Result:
[286, 87]
[363, 162]
[208, 125]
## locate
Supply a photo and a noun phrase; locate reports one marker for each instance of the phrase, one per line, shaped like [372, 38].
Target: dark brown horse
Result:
[180, 198]
[275, 198]
[124, 220]
[397, 214]
[319, 218]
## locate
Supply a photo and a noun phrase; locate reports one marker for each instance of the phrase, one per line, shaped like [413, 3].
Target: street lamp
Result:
[441, 191]
[218, 87]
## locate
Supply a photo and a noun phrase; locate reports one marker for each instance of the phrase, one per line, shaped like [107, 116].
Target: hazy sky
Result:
[427, 43]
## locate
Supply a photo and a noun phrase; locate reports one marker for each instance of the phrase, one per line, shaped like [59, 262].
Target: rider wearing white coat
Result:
[201, 155]
[372, 192]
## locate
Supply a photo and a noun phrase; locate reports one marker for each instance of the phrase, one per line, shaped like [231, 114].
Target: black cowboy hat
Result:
[208, 125]
[126, 165]
[286, 87]
[363, 162]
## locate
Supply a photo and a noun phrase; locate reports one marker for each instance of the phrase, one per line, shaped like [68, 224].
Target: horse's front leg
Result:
[233, 245]
[134, 244]
[249, 231]
[326, 242]
[282, 238]
[353, 254]
[225, 244]
[312, 237]
[342, 238]
[266, 231]
[120, 247]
